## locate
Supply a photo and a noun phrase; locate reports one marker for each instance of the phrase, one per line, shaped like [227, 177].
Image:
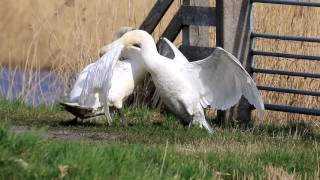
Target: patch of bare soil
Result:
[65, 134]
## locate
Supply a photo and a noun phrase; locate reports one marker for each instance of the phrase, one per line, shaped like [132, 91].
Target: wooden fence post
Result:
[195, 35]
[233, 34]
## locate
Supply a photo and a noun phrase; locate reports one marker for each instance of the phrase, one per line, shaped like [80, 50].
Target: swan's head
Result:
[116, 36]
[121, 32]
[133, 40]
[138, 38]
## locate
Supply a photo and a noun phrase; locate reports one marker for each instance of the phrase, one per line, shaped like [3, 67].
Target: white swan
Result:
[186, 88]
[74, 96]
[126, 75]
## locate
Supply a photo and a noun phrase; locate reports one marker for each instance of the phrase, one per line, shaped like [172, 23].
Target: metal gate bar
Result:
[253, 53]
[285, 38]
[287, 73]
[292, 109]
[285, 55]
[291, 91]
[284, 2]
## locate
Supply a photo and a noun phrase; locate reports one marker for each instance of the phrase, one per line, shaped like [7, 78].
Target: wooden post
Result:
[155, 15]
[233, 34]
[195, 35]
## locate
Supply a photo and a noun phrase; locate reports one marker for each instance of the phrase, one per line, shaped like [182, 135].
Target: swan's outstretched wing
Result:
[99, 76]
[223, 81]
[169, 50]
[164, 49]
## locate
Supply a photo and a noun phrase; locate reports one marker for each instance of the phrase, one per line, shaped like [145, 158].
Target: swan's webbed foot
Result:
[123, 119]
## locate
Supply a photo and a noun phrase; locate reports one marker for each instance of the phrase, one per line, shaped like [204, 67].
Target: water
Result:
[32, 87]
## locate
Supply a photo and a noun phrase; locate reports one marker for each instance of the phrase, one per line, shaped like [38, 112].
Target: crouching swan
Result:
[127, 73]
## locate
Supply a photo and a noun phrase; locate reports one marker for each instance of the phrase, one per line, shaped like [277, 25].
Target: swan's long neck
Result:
[148, 47]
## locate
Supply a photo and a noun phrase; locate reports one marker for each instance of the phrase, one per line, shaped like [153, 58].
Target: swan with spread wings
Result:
[184, 87]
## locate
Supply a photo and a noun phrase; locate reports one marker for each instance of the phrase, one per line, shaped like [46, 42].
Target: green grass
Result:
[155, 146]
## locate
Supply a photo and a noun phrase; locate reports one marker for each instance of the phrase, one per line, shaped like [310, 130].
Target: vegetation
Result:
[153, 146]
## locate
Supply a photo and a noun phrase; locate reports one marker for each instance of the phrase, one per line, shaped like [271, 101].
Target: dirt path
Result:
[70, 134]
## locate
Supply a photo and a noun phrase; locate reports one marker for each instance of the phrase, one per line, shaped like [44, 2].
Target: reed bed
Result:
[288, 20]
[63, 36]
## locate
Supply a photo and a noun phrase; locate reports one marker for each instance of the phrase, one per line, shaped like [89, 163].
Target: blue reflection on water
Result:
[33, 87]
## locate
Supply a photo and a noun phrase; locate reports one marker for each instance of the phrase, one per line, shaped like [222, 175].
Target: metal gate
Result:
[253, 53]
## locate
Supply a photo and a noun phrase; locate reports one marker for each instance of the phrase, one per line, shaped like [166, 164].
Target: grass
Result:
[153, 146]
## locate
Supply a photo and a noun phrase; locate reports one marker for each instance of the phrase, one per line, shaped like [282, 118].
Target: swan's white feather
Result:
[169, 50]
[167, 45]
[128, 73]
[223, 81]
[76, 91]
[99, 77]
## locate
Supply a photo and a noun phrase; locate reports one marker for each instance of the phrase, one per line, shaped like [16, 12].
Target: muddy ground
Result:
[67, 134]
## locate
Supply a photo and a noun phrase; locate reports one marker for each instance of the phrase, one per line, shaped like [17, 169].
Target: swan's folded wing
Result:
[223, 81]
[79, 84]
[99, 75]
[131, 52]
